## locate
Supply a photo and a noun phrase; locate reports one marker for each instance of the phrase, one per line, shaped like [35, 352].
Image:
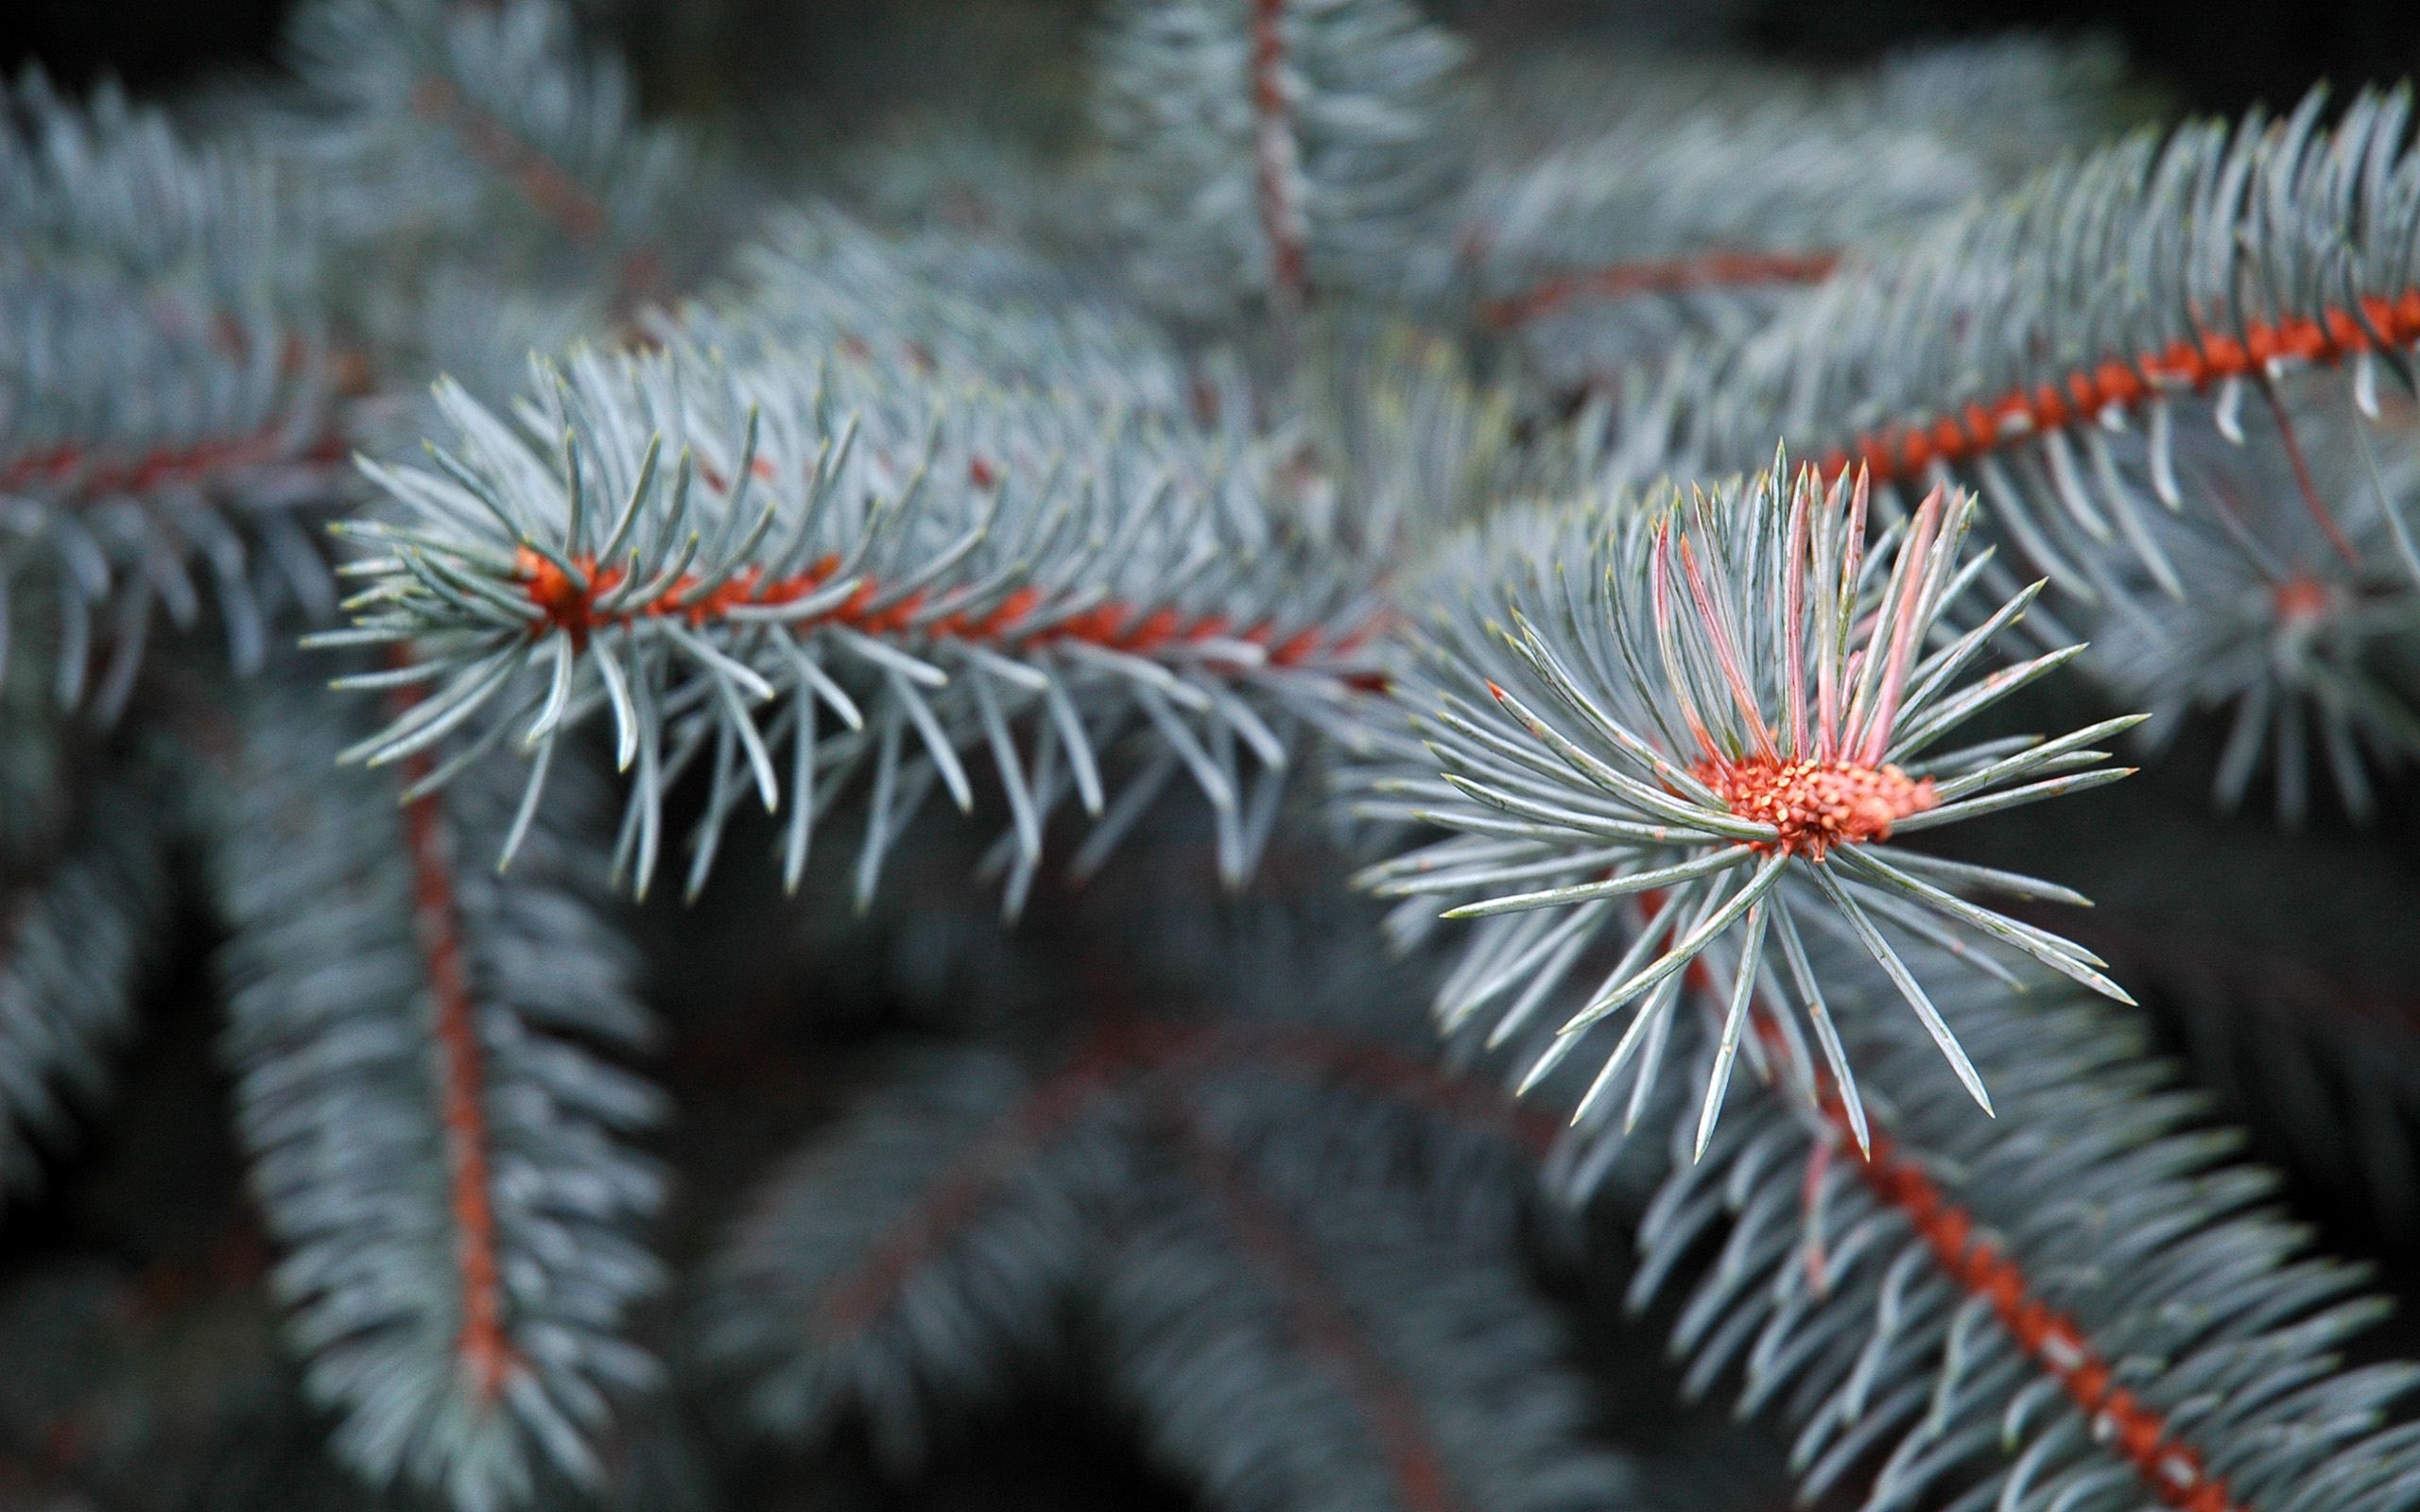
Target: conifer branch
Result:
[2044, 346]
[1270, 148]
[955, 510]
[2078, 1297]
[103, 187]
[1721, 706]
[2301, 628]
[565, 203]
[438, 1145]
[79, 928]
[1594, 233]
[193, 1339]
[1408, 443]
[481, 1345]
[1717, 270]
[913, 1263]
[437, 126]
[1595, 255]
[1005, 578]
[1278, 162]
[955, 309]
[164, 396]
[551, 190]
[1386, 1324]
[1318, 1320]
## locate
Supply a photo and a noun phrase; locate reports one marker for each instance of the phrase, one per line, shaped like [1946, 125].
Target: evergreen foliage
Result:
[1266, 150]
[166, 383]
[1624, 510]
[2077, 1300]
[86, 920]
[1681, 712]
[438, 1140]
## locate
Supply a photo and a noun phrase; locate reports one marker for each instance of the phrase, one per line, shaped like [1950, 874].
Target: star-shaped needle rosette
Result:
[1709, 720]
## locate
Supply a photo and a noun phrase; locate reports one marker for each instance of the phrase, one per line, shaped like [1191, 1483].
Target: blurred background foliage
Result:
[142, 1221]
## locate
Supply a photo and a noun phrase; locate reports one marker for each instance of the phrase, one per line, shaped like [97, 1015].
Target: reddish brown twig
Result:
[556, 193]
[481, 1344]
[972, 1180]
[88, 470]
[1906, 450]
[2134, 1431]
[1674, 275]
[1276, 159]
[1023, 618]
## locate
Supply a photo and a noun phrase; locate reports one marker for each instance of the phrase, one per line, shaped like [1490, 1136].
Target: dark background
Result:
[2214, 54]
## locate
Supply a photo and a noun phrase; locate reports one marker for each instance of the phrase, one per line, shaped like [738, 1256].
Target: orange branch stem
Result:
[1905, 450]
[481, 1345]
[2138, 1434]
[88, 470]
[1023, 618]
[1675, 275]
[2131, 1429]
[1275, 156]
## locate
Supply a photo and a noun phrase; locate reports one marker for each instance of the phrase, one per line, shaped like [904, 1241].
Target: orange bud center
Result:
[2302, 600]
[1817, 805]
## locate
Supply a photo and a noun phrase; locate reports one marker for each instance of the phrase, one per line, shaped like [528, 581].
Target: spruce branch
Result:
[916, 1260]
[1405, 442]
[2049, 347]
[1702, 717]
[1596, 253]
[1268, 150]
[890, 514]
[2081, 1303]
[2012, 98]
[163, 1389]
[2301, 630]
[436, 129]
[692, 547]
[1624, 201]
[79, 928]
[2006, 97]
[1290, 1341]
[166, 402]
[955, 308]
[439, 1147]
[1203, 1204]
[107, 187]
[1182, 1324]
[1672, 276]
